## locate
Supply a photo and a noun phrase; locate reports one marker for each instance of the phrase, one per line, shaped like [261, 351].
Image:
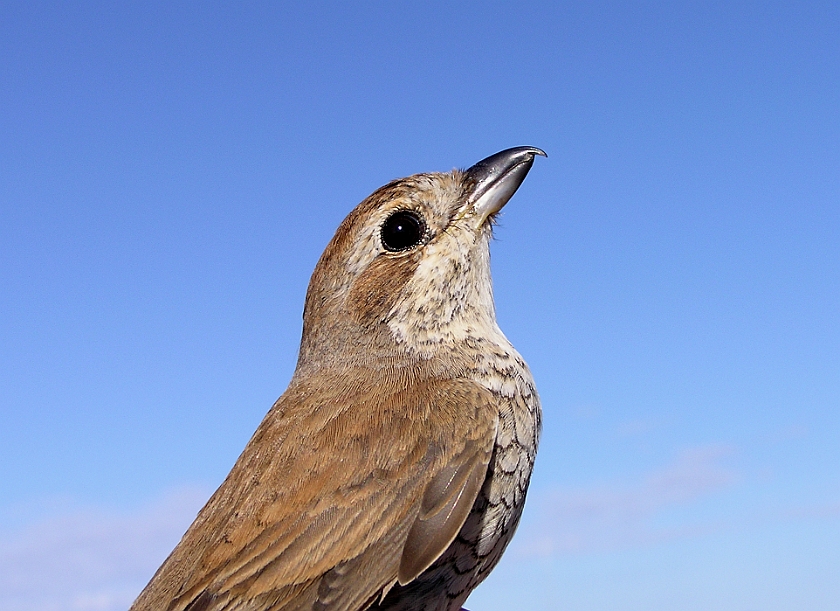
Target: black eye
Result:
[402, 230]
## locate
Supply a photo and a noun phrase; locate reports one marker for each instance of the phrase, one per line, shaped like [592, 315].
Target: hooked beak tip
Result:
[496, 178]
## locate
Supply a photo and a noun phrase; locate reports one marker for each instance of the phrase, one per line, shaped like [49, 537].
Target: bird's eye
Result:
[402, 230]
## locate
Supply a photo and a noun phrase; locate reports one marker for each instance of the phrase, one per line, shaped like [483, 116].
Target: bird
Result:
[392, 472]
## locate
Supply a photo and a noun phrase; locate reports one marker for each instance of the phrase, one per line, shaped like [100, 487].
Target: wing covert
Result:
[337, 496]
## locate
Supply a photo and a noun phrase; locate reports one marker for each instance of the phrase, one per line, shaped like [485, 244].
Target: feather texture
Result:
[271, 541]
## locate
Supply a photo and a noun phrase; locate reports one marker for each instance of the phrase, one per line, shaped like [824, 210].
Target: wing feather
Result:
[339, 494]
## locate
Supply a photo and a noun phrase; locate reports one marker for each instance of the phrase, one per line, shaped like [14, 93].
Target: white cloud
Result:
[620, 515]
[91, 559]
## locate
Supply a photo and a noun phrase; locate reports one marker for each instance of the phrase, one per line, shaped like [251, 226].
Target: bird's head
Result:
[408, 270]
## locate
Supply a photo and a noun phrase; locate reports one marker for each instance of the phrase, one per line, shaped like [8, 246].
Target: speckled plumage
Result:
[392, 472]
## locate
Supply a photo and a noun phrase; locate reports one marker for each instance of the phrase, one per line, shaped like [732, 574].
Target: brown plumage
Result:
[392, 472]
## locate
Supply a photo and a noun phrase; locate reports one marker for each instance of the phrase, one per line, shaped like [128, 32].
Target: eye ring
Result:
[403, 230]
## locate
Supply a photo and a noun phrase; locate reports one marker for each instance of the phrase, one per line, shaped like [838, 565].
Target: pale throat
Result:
[449, 299]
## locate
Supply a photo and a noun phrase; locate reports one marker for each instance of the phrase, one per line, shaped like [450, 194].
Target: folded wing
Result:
[338, 496]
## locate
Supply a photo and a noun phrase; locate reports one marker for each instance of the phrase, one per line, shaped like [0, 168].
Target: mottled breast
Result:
[494, 517]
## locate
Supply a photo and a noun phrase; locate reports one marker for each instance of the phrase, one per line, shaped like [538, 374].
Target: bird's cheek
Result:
[377, 289]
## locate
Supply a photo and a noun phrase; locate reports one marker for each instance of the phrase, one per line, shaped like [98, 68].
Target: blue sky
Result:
[172, 171]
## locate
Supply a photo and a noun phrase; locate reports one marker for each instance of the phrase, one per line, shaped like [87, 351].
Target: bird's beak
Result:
[496, 179]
